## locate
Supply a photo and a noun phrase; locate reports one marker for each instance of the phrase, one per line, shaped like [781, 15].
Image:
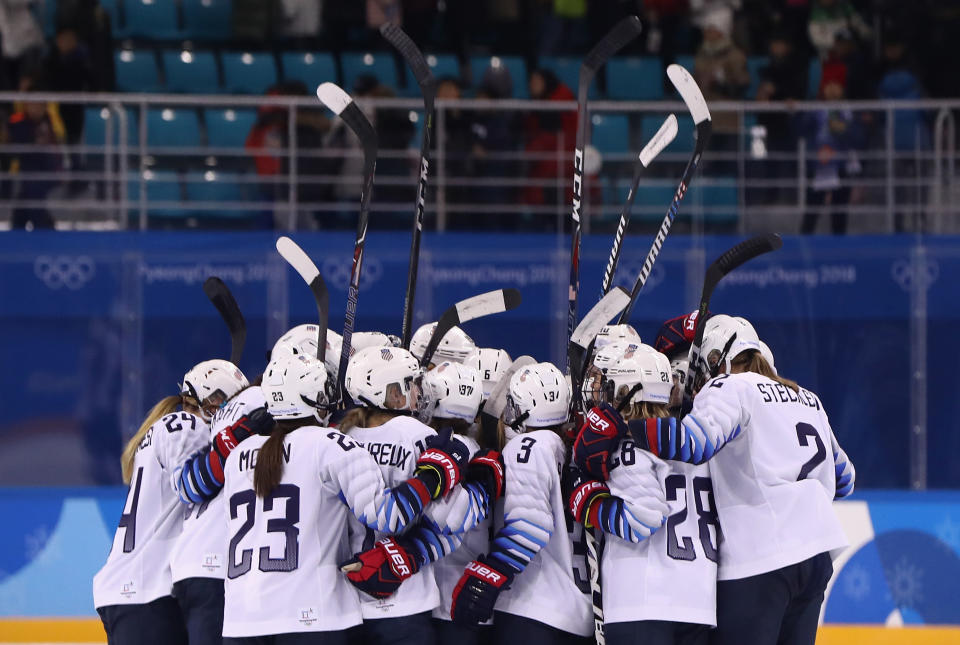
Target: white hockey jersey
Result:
[284, 550]
[200, 551]
[138, 567]
[672, 575]
[537, 540]
[776, 476]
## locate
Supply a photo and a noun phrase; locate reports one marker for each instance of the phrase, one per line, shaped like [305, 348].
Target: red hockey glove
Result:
[598, 439]
[381, 570]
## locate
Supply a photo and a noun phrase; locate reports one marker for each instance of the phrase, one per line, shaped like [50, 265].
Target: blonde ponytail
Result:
[163, 407]
[753, 361]
[646, 410]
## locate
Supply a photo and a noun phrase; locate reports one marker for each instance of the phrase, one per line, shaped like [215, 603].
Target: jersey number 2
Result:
[286, 525]
[804, 432]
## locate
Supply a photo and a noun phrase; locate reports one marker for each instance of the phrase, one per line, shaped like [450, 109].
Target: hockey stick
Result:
[301, 262]
[486, 304]
[578, 351]
[621, 34]
[428, 87]
[663, 137]
[223, 300]
[734, 257]
[340, 103]
[693, 98]
[492, 410]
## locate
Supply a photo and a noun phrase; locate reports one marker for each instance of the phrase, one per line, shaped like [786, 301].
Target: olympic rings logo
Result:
[902, 272]
[64, 271]
[337, 273]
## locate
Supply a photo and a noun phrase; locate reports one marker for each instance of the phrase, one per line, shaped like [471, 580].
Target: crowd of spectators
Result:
[866, 49]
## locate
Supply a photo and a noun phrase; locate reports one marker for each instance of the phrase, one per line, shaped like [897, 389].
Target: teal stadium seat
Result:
[568, 71]
[228, 128]
[207, 19]
[153, 19]
[170, 127]
[160, 187]
[717, 196]
[217, 186]
[95, 126]
[191, 72]
[814, 71]
[380, 65]
[513, 64]
[635, 79]
[310, 68]
[247, 72]
[610, 133]
[136, 71]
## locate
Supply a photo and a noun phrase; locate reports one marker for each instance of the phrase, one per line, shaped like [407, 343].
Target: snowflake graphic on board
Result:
[906, 584]
[856, 584]
[949, 532]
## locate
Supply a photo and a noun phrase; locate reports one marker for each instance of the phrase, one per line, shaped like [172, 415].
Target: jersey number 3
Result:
[287, 524]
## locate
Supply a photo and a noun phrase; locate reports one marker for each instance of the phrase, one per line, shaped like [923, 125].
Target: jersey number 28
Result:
[682, 548]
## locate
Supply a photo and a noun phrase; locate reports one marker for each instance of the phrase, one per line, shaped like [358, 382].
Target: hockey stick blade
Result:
[302, 264]
[496, 403]
[410, 52]
[690, 93]
[616, 39]
[723, 265]
[486, 304]
[226, 304]
[585, 333]
[664, 136]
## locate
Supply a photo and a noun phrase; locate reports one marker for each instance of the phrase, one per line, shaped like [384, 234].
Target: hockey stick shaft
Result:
[297, 258]
[730, 260]
[663, 137]
[226, 304]
[621, 34]
[428, 88]
[341, 104]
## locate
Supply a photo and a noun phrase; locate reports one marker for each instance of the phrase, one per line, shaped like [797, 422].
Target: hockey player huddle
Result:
[270, 513]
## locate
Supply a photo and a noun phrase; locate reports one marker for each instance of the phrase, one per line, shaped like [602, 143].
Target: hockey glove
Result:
[477, 591]
[486, 467]
[598, 439]
[584, 496]
[381, 570]
[440, 466]
[257, 421]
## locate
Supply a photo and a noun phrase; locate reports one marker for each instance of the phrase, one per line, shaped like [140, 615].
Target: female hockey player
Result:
[385, 382]
[773, 486]
[661, 591]
[492, 365]
[132, 592]
[288, 497]
[535, 572]
[455, 345]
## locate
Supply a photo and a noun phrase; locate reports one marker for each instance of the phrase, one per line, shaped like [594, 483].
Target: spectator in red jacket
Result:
[545, 133]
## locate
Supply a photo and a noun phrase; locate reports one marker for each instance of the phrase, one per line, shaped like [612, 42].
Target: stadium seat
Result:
[380, 65]
[46, 15]
[686, 61]
[136, 71]
[154, 19]
[160, 187]
[514, 64]
[716, 196]
[684, 140]
[168, 127]
[228, 128]
[112, 7]
[610, 133]
[651, 200]
[309, 67]
[248, 73]
[218, 186]
[194, 72]
[568, 71]
[635, 79]
[814, 70]
[207, 19]
[95, 126]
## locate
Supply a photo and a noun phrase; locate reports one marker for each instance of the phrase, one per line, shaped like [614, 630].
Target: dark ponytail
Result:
[269, 469]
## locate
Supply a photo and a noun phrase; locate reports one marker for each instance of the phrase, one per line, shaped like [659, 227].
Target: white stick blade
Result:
[483, 305]
[333, 97]
[498, 397]
[297, 258]
[602, 313]
[664, 136]
[689, 92]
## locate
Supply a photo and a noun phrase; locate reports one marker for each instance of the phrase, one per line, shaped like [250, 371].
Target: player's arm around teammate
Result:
[132, 592]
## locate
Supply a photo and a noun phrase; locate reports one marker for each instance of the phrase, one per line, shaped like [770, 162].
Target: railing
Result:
[148, 161]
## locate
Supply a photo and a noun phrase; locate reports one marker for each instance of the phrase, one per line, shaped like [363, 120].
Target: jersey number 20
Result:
[286, 525]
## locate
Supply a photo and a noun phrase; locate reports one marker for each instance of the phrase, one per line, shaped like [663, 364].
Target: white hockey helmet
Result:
[630, 373]
[294, 387]
[492, 364]
[768, 356]
[724, 338]
[539, 397]
[359, 340]
[301, 339]
[455, 345]
[613, 333]
[451, 391]
[384, 377]
[210, 384]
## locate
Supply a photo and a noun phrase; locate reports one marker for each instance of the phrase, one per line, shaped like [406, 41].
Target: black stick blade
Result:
[742, 253]
[410, 52]
[615, 40]
[226, 304]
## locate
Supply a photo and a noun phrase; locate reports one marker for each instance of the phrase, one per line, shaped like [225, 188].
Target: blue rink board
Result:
[55, 539]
